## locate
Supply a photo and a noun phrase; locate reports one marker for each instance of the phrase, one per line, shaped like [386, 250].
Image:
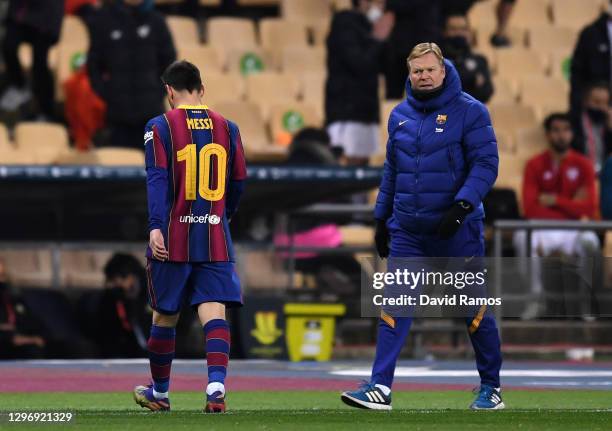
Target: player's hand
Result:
[156, 242]
[453, 219]
[381, 237]
[547, 199]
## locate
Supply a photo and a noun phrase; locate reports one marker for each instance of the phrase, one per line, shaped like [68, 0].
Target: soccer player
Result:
[195, 173]
[441, 162]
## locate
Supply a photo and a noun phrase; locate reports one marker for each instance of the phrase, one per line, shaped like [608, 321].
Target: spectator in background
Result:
[591, 59]
[473, 68]
[122, 311]
[19, 335]
[130, 48]
[38, 23]
[593, 125]
[415, 21]
[354, 53]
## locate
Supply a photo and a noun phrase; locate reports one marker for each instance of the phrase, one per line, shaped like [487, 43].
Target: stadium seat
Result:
[319, 32]
[222, 87]
[310, 11]
[267, 88]
[608, 244]
[313, 90]
[510, 174]
[28, 268]
[505, 142]
[16, 157]
[184, 30]
[206, 58]
[115, 156]
[230, 33]
[25, 56]
[531, 13]
[5, 142]
[547, 38]
[298, 60]
[484, 32]
[357, 236]
[538, 91]
[45, 141]
[342, 4]
[530, 141]
[386, 107]
[575, 14]
[74, 39]
[513, 63]
[83, 269]
[482, 13]
[249, 60]
[505, 91]
[286, 119]
[560, 62]
[257, 145]
[277, 34]
[74, 157]
[510, 116]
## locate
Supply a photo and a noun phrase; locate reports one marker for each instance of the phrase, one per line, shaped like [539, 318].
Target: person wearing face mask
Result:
[354, 54]
[441, 162]
[130, 48]
[558, 184]
[591, 59]
[473, 68]
[593, 127]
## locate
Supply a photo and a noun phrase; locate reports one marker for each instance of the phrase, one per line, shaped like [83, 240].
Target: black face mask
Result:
[597, 115]
[424, 95]
[457, 44]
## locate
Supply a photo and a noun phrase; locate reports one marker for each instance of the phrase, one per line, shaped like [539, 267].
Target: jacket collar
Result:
[452, 88]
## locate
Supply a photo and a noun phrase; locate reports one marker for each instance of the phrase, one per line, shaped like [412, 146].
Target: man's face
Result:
[560, 135]
[598, 98]
[426, 73]
[457, 26]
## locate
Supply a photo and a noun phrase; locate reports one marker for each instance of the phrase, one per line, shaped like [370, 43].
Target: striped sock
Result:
[217, 335]
[161, 353]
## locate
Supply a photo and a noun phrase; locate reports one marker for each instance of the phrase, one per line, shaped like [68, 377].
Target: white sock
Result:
[385, 389]
[160, 395]
[215, 387]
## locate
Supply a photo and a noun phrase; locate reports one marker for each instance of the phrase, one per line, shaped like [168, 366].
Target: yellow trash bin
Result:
[310, 330]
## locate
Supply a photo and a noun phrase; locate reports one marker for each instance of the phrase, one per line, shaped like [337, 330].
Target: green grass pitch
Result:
[301, 410]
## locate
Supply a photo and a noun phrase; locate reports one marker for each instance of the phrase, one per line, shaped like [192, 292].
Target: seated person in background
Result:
[473, 68]
[558, 184]
[122, 311]
[593, 125]
[19, 337]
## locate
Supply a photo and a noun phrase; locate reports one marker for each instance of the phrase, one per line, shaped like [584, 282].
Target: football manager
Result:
[441, 161]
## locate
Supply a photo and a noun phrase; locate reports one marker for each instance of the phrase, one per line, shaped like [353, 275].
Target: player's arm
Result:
[532, 206]
[156, 161]
[584, 203]
[386, 192]
[238, 172]
[481, 155]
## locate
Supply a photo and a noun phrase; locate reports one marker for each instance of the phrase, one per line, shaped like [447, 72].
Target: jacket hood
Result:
[452, 88]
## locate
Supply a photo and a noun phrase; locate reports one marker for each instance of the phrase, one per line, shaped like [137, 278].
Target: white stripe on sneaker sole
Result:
[499, 406]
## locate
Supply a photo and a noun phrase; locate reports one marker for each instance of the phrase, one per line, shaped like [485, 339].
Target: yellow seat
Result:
[277, 34]
[286, 119]
[222, 87]
[231, 32]
[16, 157]
[206, 58]
[298, 60]
[257, 145]
[548, 38]
[539, 91]
[5, 142]
[514, 63]
[310, 11]
[505, 91]
[74, 157]
[530, 13]
[84, 269]
[560, 62]
[266, 89]
[320, 31]
[28, 268]
[74, 39]
[237, 60]
[510, 116]
[510, 173]
[44, 141]
[575, 14]
[505, 142]
[482, 13]
[116, 156]
[386, 107]
[338, 5]
[515, 34]
[184, 30]
[313, 90]
[530, 141]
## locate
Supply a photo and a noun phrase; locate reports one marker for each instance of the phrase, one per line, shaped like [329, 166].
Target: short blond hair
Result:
[425, 48]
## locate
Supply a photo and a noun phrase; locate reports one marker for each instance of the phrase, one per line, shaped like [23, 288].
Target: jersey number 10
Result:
[188, 155]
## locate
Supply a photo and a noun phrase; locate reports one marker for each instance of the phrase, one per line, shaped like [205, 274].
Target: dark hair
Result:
[556, 116]
[182, 75]
[122, 265]
[592, 86]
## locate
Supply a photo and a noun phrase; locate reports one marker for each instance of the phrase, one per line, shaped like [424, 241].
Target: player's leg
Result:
[215, 286]
[166, 282]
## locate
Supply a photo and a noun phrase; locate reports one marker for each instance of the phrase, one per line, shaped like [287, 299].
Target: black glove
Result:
[381, 237]
[453, 219]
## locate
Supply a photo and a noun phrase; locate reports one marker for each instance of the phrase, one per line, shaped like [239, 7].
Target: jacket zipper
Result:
[418, 160]
[451, 161]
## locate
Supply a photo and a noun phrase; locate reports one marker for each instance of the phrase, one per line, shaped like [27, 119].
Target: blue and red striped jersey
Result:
[195, 169]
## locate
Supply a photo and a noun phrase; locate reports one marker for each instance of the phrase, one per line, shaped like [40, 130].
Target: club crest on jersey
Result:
[148, 136]
[572, 174]
[441, 119]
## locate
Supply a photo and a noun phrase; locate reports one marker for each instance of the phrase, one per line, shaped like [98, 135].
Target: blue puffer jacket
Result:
[440, 151]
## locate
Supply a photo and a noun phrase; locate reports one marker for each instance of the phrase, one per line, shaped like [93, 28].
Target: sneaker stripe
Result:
[379, 397]
[369, 395]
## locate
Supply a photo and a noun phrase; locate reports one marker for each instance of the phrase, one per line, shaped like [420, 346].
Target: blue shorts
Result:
[170, 284]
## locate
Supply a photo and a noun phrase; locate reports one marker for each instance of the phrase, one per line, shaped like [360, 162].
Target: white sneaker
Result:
[14, 97]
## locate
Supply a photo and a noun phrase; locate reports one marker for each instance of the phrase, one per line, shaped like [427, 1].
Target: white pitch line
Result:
[427, 372]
